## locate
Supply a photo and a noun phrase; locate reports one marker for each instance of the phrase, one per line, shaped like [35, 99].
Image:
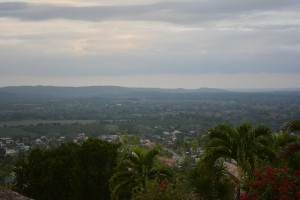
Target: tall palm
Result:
[210, 181]
[133, 171]
[290, 152]
[244, 144]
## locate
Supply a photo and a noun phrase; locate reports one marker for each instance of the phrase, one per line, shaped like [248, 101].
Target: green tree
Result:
[2, 154]
[195, 145]
[186, 145]
[67, 172]
[97, 159]
[288, 144]
[282, 139]
[133, 171]
[244, 144]
[291, 155]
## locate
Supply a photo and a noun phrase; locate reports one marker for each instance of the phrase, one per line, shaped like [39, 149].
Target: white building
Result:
[10, 151]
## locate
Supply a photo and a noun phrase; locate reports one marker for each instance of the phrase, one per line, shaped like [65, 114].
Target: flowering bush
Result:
[272, 183]
[161, 189]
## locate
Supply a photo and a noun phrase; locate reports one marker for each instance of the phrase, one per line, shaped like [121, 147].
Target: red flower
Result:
[281, 189]
[270, 170]
[274, 187]
[298, 195]
[257, 172]
[297, 173]
[284, 198]
[260, 183]
[164, 184]
[244, 196]
[277, 183]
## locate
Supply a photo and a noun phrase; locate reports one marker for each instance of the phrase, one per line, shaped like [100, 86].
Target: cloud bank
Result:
[157, 38]
[172, 11]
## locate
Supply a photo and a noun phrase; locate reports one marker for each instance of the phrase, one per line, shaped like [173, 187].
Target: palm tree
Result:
[291, 155]
[244, 144]
[133, 171]
[210, 181]
[290, 151]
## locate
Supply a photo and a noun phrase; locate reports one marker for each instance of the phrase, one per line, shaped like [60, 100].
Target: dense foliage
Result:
[68, 172]
[237, 162]
[211, 182]
[139, 175]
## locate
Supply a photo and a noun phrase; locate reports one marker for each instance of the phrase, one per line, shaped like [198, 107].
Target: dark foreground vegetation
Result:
[68, 172]
[242, 162]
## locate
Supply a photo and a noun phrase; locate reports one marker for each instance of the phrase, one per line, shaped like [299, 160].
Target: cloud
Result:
[175, 12]
[156, 38]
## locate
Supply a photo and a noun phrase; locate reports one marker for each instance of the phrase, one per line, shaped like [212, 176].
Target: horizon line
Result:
[167, 88]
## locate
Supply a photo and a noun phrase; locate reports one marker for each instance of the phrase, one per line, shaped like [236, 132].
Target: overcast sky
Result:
[151, 43]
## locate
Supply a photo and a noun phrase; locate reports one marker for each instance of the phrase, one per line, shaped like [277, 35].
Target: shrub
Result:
[273, 183]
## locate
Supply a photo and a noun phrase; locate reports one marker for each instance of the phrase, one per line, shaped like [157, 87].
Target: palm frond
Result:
[262, 131]
[149, 158]
[133, 171]
[243, 144]
[161, 174]
[244, 131]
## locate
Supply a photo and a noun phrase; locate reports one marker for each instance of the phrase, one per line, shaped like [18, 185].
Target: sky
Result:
[151, 43]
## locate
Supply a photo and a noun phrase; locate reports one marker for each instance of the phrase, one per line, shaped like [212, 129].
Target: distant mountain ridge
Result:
[97, 90]
[93, 91]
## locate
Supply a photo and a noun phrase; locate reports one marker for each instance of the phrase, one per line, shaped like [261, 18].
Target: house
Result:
[25, 147]
[10, 151]
[38, 141]
[9, 141]
[167, 161]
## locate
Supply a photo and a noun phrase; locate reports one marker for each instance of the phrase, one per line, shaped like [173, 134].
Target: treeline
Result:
[238, 162]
